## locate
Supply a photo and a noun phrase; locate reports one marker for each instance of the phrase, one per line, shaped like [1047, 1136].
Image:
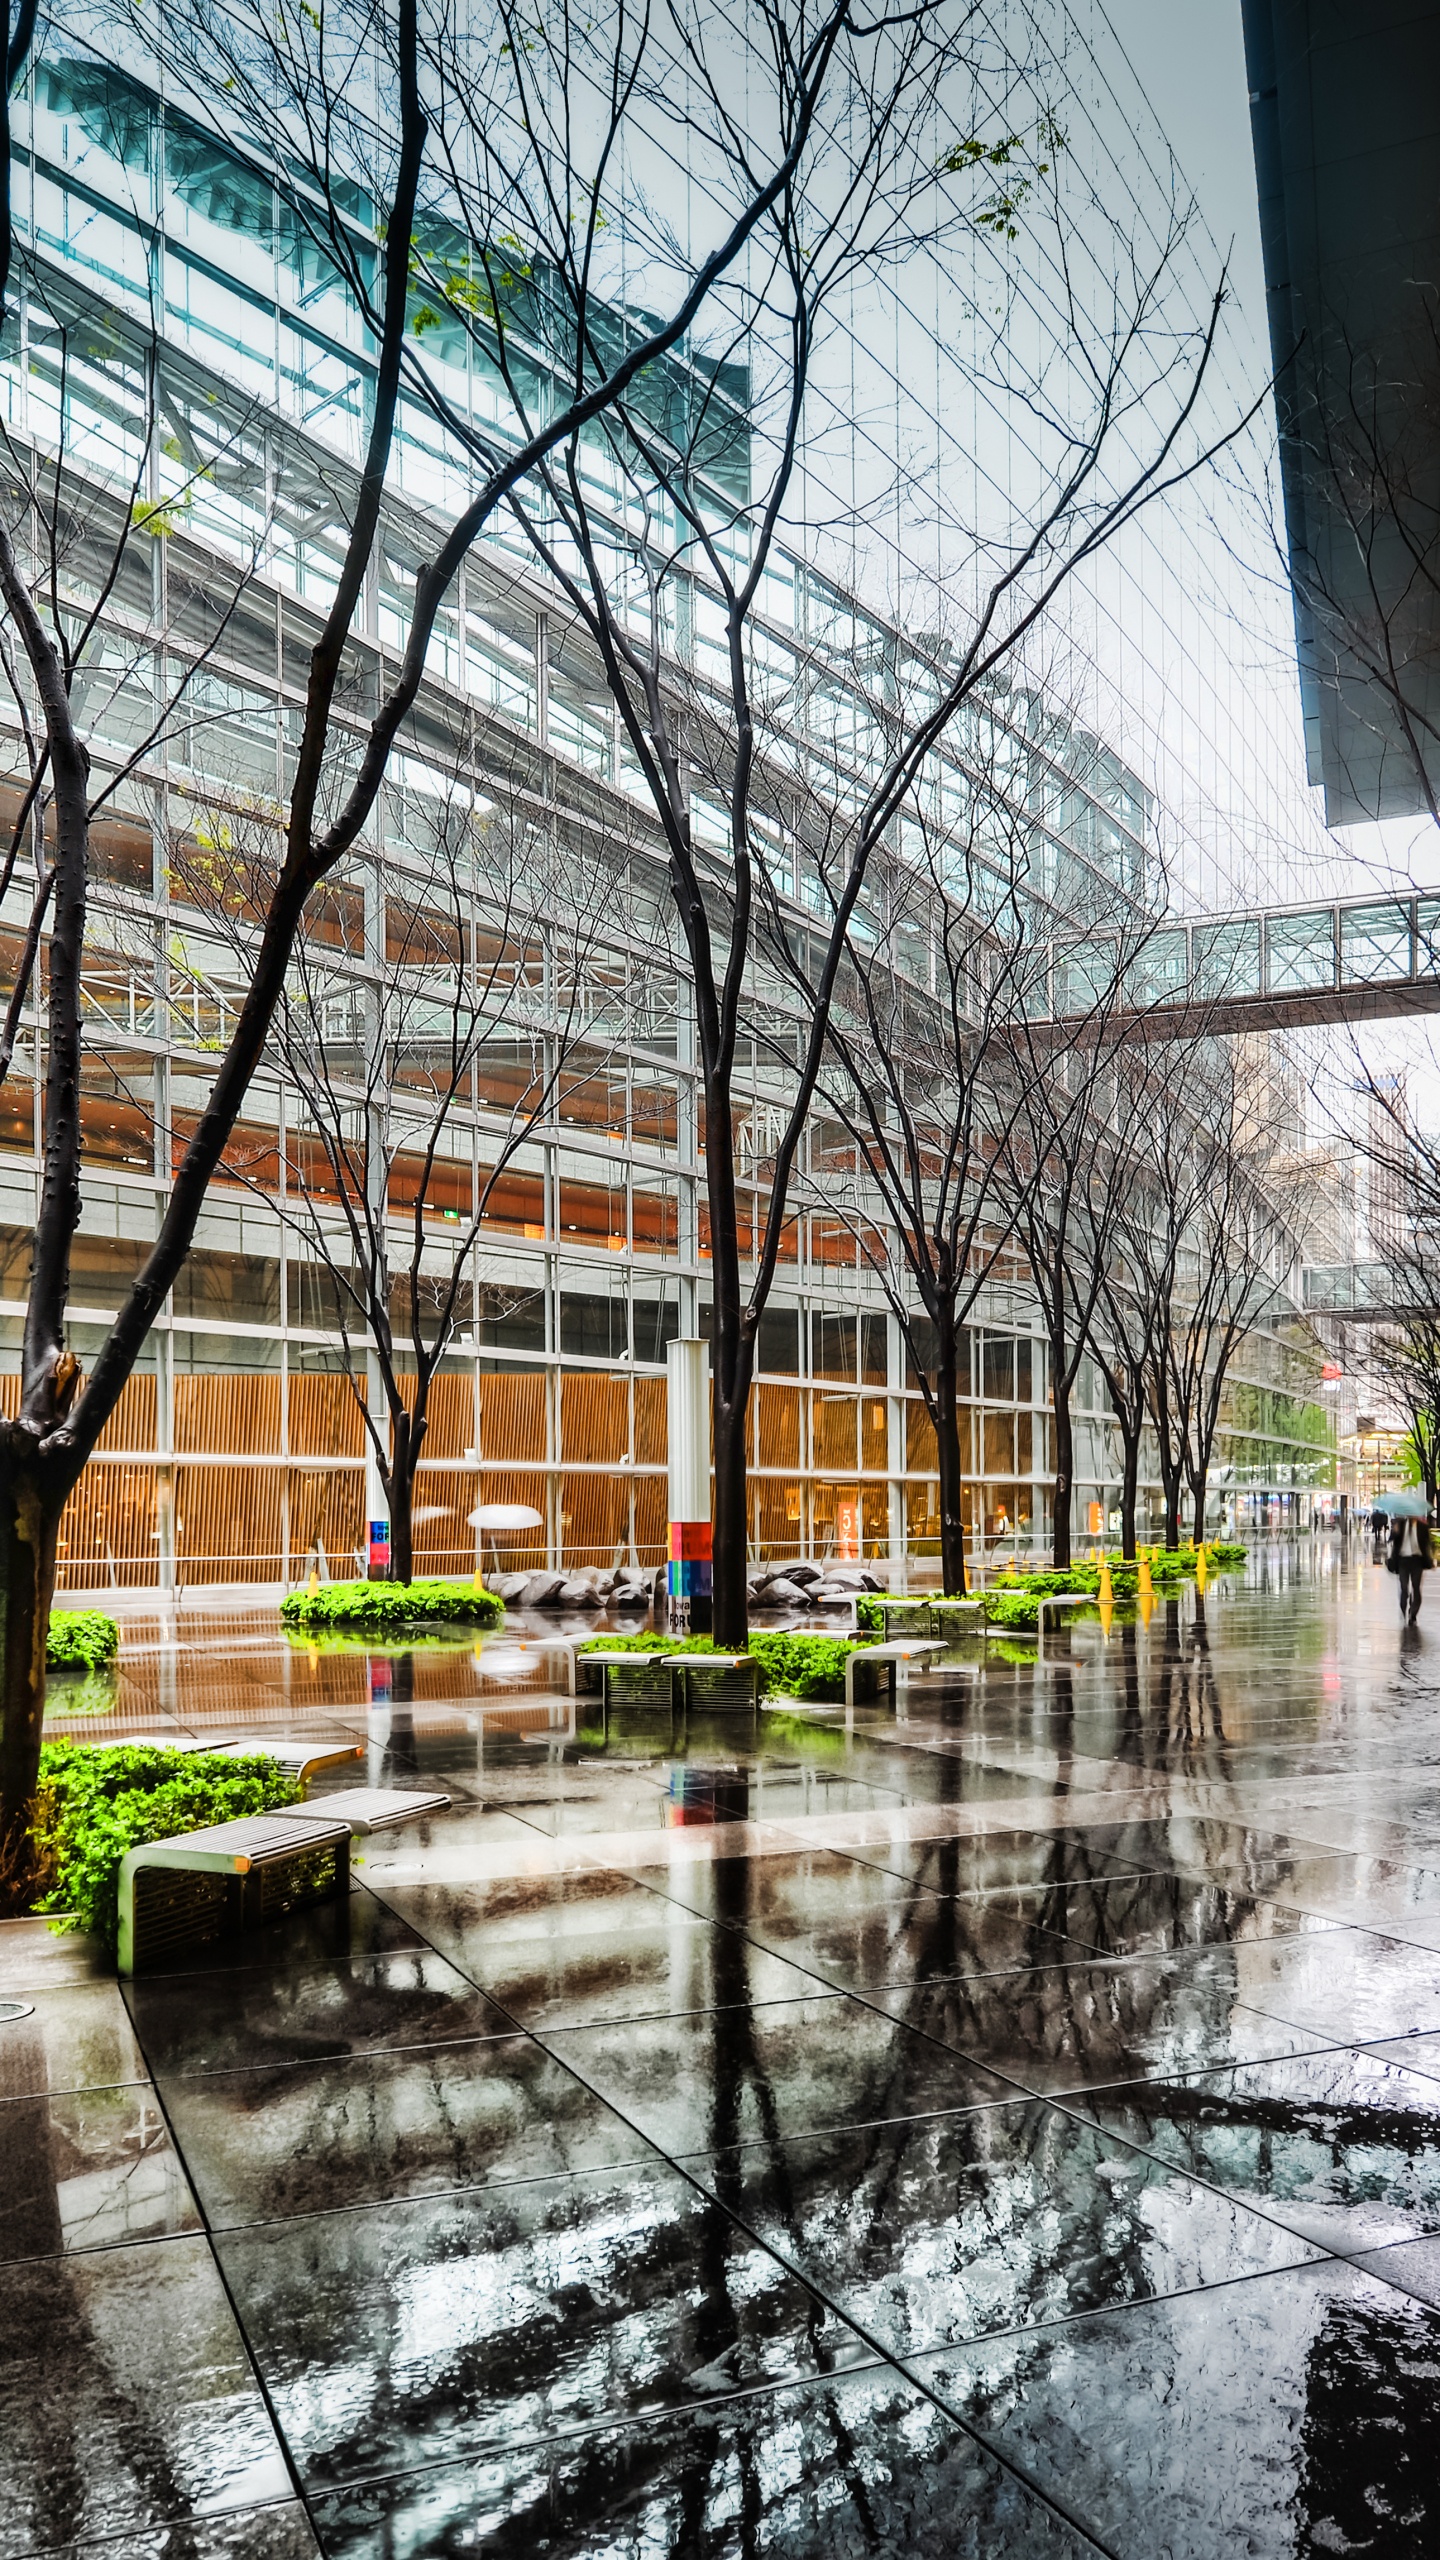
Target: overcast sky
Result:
[1189, 56]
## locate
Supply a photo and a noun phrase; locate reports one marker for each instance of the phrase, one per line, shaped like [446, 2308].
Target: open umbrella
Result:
[503, 1515]
[1408, 1504]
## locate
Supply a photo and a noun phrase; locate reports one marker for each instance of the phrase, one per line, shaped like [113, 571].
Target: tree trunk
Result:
[407, 1431]
[30, 1509]
[1129, 1489]
[947, 1445]
[1198, 1489]
[1064, 1464]
[730, 1599]
[1172, 1513]
[401, 1498]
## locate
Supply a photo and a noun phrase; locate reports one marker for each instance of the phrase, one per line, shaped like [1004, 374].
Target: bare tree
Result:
[918, 1118]
[322, 74]
[664, 546]
[1234, 1203]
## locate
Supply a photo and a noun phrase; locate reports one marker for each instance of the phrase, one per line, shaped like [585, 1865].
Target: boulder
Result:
[508, 1586]
[804, 1574]
[540, 1590]
[784, 1594]
[630, 1595]
[577, 1593]
[832, 1595]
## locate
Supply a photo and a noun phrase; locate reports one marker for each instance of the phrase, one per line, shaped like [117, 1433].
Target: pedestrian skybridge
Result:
[1354, 961]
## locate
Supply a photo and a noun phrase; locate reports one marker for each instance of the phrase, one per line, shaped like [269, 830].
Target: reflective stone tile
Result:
[1413, 2053]
[1144, 1915]
[837, 2470]
[126, 2397]
[413, 2332]
[235, 2021]
[262, 2533]
[1078, 2025]
[996, 1861]
[1413, 2265]
[474, 1922]
[1346, 1984]
[77, 2036]
[1290, 2416]
[938, 2227]
[917, 1939]
[720, 2076]
[676, 1967]
[87, 2169]
[33, 1954]
[1251, 1858]
[309, 2136]
[1341, 2146]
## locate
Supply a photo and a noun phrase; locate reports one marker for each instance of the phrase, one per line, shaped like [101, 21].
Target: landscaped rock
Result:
[783, 1594]
[578, 1593]
[540, 1590]
[804, 1574]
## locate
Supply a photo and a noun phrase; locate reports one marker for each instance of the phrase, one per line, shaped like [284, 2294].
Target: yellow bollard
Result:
[1147, 1587]
[1107, 1613]
[314, 1582]
[1107, 1587]
[1202, 1571]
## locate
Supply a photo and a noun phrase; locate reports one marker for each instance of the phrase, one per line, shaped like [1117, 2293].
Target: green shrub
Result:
[80, 1640]
[791, 1666]
[1228, 1554]
[94, 1804]
[390, 1607]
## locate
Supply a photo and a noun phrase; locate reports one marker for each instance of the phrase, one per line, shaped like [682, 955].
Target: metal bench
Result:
[717, 1672]
[939, 1610]
[906, 1649]
[304, 1760]
[369, 1809]
[1059, 1600]
[609, 1665]
[209, 1884]
[906, 1616]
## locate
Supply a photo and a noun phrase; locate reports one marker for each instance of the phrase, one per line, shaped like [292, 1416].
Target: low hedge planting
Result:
[94, 1804]
[1016, 1603]
[389, 1607]
[791, 1666]
[80, 1640]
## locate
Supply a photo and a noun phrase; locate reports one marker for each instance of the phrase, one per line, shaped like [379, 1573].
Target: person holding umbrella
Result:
[1412, 1549]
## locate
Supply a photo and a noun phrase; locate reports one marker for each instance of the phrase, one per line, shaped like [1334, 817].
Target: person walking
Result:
[1412, 1552]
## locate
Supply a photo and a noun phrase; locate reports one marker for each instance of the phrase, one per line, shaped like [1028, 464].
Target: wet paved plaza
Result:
[1012, 2129]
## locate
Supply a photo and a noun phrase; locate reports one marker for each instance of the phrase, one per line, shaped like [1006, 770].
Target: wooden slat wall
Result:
[108, 1531]
[229, 1416]
[512, 1419]
[325, 1420]
[594, 1517]
[594, 1419]
[228, 1524]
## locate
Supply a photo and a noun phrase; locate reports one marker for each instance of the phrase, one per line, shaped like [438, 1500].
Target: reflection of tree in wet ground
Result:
[1367, 2475]
[1262, 2141]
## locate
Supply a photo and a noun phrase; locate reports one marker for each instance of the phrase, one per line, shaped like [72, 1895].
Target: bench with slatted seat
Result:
[368, 1809]
[203, 1885]
[725, 1680]
[888, 1657]
[304, 1760]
